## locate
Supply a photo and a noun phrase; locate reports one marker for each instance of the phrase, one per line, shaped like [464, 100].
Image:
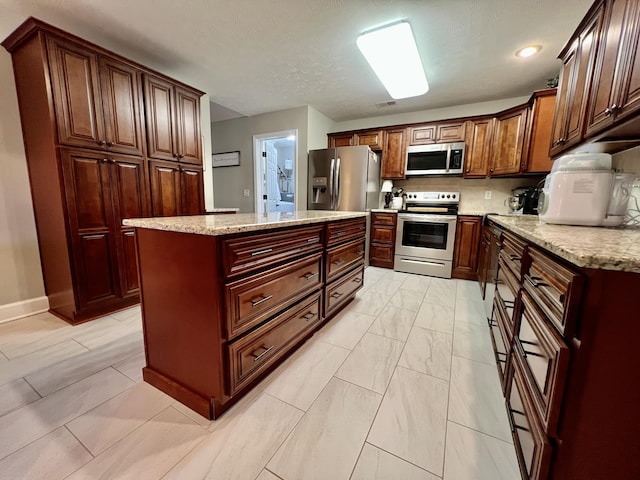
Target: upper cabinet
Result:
[394, 154]
[478, 147]
[536, 156]
[173, 121]
[373, 138]
[437, 133]
[508, 141]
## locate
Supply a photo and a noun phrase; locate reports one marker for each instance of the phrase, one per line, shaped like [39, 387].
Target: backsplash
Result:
[472, 191]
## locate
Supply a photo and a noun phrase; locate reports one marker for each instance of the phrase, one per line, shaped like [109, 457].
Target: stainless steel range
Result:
[426, 233]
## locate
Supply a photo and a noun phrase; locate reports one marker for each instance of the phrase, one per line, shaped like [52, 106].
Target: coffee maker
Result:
[528, 199]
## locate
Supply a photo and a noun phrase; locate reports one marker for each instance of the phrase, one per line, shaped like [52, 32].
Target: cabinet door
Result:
[508, 142]
[450, 132]
[187, 126]
[422, 135]
[165, 188]
[76, 94]
[342, 140]
[130, 200]
[374, 139]
[91, 225]
[560, 115]
[629, 101]
[608, 69]
[465, 256]
[537, 159]
[159, 105]
[121, 105]
[394, 155]
[192, 187]
[478, 151]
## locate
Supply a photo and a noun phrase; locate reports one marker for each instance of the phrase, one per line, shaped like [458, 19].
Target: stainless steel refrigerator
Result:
[344, 178]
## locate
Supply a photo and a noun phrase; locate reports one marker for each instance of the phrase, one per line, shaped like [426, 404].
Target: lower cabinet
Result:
[383, 239]
[465, 253]
[222, 311]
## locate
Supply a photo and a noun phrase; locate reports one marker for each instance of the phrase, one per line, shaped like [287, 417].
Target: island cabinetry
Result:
[383, 239]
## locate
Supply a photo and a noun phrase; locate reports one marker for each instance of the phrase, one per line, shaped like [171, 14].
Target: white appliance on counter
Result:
[582, 189]
[425, 234]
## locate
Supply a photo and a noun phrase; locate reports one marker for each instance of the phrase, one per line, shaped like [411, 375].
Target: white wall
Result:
[319, 126]
[237, 134]
[205, 132]
[20, 271]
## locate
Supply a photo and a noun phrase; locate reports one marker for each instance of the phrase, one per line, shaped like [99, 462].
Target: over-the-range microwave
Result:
[435, 159]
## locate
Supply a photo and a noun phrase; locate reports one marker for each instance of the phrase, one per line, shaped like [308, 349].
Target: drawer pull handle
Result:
[511, 421]
[340, 234]
[514, 257]
[508, 303]
[262, 300]
[338, 262]
[260, 252]
[309, 315]
[309, 276]
[357, 280]
[360, 252]
[336, 294]
[314, 239]
[535, 281]
[266, 350]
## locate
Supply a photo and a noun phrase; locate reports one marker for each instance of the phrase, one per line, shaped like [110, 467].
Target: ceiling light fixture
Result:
[393, 55]
[528, 51]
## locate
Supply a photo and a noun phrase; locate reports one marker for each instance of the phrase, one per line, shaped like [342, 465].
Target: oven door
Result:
[426, 236]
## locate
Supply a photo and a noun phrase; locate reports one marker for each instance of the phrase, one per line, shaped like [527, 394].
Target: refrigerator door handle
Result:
[337, 195]
[331, 180]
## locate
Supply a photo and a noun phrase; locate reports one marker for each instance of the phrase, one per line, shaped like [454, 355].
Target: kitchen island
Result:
[565, 329]
[225, 298]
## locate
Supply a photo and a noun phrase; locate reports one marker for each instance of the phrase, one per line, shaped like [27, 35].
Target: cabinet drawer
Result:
[512, 250]
[343, 258]
[545, 358]
[340, 232]
[507, 289]
[251, 300]
[554, 288]
[251, 354]
[383, 234]
[500, 341]
[384, 219]
[341, 290]
[246, 254]
[382, 253]
[532, 445]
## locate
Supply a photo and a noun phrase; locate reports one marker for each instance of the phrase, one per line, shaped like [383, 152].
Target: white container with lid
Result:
[584, 162]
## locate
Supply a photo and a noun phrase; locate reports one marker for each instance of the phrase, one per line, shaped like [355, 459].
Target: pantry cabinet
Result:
[83, 121]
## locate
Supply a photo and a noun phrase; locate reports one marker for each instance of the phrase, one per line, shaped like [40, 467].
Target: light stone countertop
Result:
[222, 210]
[240, 222]
[384, 210]
[590, 247]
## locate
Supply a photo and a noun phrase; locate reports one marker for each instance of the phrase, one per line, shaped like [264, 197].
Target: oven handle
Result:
[428, 218]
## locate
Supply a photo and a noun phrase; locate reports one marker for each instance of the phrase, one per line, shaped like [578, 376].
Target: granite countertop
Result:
[240, 222]
[589, 247]
[384, 210]
[222, 210]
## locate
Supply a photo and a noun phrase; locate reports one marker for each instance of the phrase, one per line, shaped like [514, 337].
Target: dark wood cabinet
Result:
[508, 141]
[450, 132]
[372, 138]
[465, 253]
[394, 154]
[478, 147]
[342, 140]
[536, 155]
[83, 125]
[441, 132]
[383, 239]
[422, 134]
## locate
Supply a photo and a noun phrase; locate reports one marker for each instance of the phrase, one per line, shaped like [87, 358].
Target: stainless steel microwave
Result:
[435, 159]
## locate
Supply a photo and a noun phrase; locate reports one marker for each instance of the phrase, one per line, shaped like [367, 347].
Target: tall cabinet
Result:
[100, 133]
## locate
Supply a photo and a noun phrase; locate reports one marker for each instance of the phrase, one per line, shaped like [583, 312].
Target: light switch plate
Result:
[245, 192]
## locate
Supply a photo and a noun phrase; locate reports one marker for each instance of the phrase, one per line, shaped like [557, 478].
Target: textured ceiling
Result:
[256, 56]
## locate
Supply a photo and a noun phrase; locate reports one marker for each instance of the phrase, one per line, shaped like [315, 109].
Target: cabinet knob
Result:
[109, 144]
[105, 160]
[614, 108]
[103, 142]
[607, 112]
[112, 161]
[175, 155]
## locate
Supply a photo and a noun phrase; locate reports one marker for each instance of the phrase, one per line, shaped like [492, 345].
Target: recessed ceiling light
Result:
[528, 51]
[393, 55]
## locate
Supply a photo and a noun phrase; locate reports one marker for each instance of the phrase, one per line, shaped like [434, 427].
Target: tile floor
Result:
[400, 385]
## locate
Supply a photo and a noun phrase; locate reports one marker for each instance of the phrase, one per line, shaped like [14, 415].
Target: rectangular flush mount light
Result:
[392, 53]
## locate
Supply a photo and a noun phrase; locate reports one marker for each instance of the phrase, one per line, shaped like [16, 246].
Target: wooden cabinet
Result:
[508, 141]
[83, 124]
[394, 154]
[423, 134]
[536, 154]
[465, 253]
[444, 132]
[383, 239]
[173, 121]
[372, 138]
[342, 140]
[478, 147]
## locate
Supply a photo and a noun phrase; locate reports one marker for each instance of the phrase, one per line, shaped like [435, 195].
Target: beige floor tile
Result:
[34, 362]
[473, 342]
[16, 394]
[110, 333]
[18, 333]
[374, 273]
[51, 457]
[62, 373]
[327, 441]
[347, 328]
[470, 289]
[302, 377]
[393, 323]
[132, 366]
[470, 310]
[192, 415]
[30, 422]
[147, 453]
[435, 317]
[376, 464]
[441, 294]
[370, 302]
[407, 299]
[267, 475]
[389, 283]
[471, 454]
[419, 283]
[372, 362]
[242, 443]
[476, 399]
[101, 427]
[127, 314]
[411, 422]
[428, 351]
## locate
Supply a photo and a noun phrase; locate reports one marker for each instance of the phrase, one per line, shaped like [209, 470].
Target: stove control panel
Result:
[433, 197]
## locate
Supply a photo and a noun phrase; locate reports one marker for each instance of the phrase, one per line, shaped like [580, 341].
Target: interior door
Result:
[270, 154]
[351, 178]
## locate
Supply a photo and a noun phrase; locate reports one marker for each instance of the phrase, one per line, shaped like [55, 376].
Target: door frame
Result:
[257, 165]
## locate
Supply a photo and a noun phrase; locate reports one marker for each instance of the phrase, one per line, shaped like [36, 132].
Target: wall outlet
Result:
[487, 195]
[245, 192]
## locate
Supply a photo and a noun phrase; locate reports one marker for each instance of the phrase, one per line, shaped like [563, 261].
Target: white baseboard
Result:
[13, 311]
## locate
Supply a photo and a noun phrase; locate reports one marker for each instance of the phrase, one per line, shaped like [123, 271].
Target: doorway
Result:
[275, 157]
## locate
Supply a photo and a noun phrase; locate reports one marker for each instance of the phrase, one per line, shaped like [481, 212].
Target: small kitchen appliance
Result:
[435, 159]
[528, 199]
[582, 189]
